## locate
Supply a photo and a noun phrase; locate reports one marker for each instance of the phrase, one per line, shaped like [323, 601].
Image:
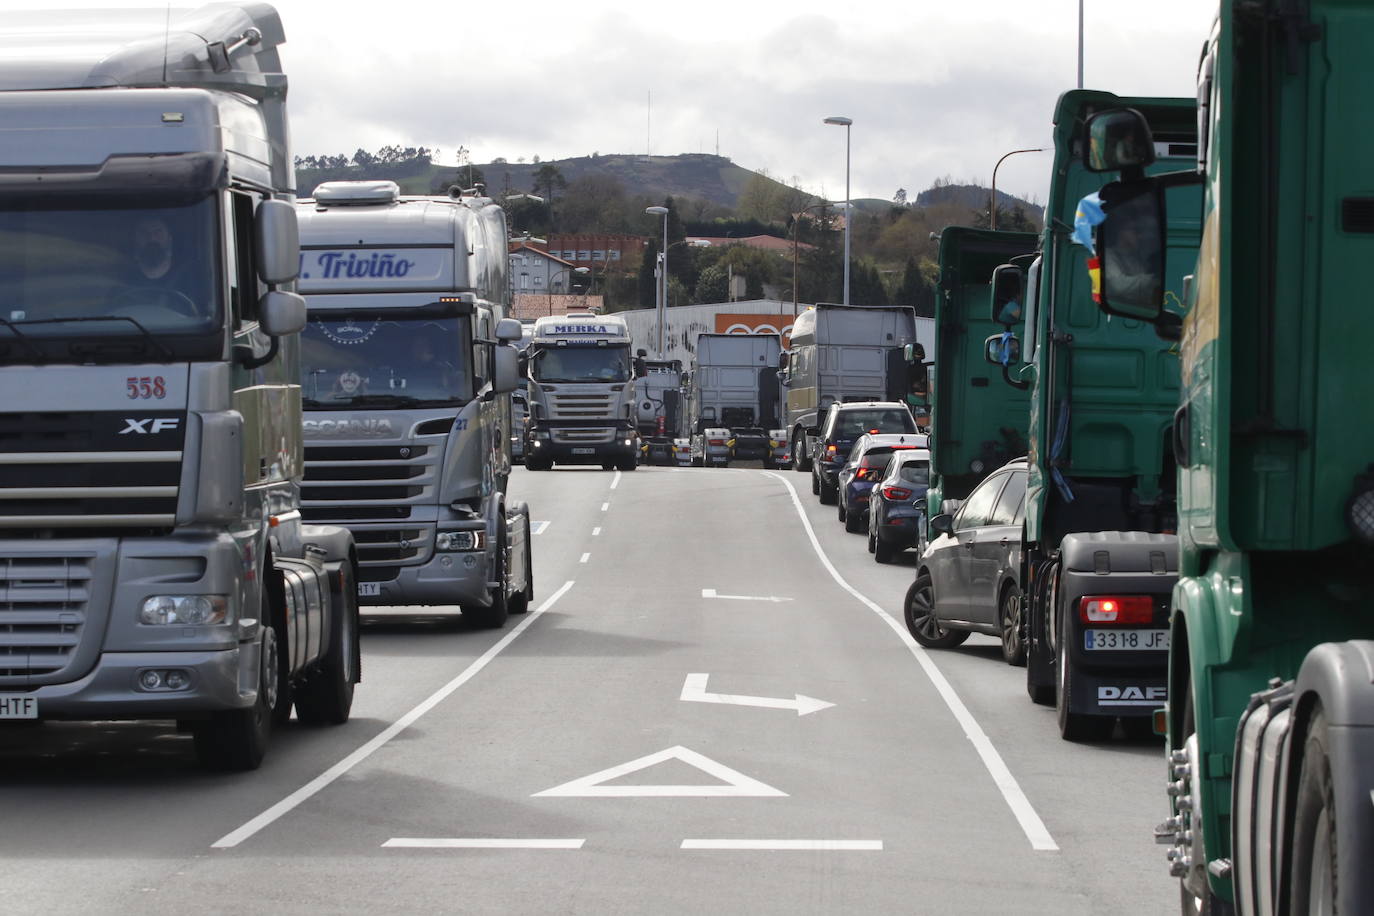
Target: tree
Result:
[900, 197]
[547, 180]
[712, 285]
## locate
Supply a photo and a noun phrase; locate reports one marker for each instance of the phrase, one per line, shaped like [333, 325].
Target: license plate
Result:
[584, 451]
[1129, 640]
[369, 589]
[18, 706]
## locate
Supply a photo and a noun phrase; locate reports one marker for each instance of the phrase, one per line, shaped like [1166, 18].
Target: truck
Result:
[732, 399]
[977, 423]
[153, 559]
[845, 353]
[659, 411]
[1100, 552]
[408, 366]
[581, 393]
[1270, 718]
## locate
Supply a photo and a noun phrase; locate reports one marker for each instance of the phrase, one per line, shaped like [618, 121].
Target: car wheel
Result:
[872, 539]
[815, 485]
[924, 626]
[1009, 617]
[854, 522]
[829, 493]
[839, 511]
[883, 553]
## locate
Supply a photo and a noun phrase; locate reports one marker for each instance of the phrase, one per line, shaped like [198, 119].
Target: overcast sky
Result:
[934, 89]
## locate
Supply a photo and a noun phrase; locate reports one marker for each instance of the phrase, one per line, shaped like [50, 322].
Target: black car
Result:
[897, 505]
[867, 463]
[845, 423]
[968, 580]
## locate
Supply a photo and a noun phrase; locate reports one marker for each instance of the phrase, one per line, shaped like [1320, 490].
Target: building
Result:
[534, 271]
[599, 251]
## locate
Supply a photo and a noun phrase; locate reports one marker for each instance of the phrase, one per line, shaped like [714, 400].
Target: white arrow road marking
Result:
[694, 691]
[538, 527]
[788, 845]
[732, 782]
[405, 842]
[711, 593]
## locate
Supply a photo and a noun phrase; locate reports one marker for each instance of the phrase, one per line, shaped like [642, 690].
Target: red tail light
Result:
[715, 441]
[1116, 609]
[896, 493]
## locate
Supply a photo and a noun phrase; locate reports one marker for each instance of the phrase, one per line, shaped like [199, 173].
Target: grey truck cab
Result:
[407, 368]
[153, 559]
[732, 398]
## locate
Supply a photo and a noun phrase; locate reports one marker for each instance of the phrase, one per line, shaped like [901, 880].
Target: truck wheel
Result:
[520, 602]
[627, 464]
[1313, 870]
[608, 465]
[537, 464]
[1039, 669]
[237, 739]
[799, 460]
[1009, 616]
[1075, 726]
[925, 628]
[494, 616]
[326, 697]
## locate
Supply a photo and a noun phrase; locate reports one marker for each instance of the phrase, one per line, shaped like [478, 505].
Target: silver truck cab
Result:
[407, 424]
[732, 399]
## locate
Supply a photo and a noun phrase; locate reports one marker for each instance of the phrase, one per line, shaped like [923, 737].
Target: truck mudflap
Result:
[1124, 693]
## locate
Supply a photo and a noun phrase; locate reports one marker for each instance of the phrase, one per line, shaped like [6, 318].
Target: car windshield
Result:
[851, 423]
[581, 364]
[63, 268]
[384, 358]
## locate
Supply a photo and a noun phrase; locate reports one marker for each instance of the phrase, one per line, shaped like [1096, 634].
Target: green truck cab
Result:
[1100, 553]
[1271, 714]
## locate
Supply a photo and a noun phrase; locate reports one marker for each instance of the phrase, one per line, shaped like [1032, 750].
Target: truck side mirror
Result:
[1118, 140]
[640, 368]
[278, 242]
[1131, 250]
[281, 313]
[914, 353]
[508, 329]
[1008, 295]
[1002, 350]
[505, 374]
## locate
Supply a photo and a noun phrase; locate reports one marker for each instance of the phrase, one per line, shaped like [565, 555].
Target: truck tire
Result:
[1075, 726]
[493, 616]
[1040, 684]
[627, 464]
[919, 611]
[538, 464]
[326, 696]
[1315, 881]
[520, 602]
[798, 452]
[237, 739]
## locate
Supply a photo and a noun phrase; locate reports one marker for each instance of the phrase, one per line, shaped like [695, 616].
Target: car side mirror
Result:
[281, 313]
[942, 524]
[1008, 295]
[277, 242]
[1118, 140]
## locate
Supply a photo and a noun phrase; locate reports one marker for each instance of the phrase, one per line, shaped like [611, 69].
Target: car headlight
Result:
[184, 610]
[472, 539]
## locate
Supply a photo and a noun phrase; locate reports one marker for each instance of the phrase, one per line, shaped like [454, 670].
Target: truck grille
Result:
[594, 436]
[89, 469]
[43, 612]
[357, 485]
[580, 406]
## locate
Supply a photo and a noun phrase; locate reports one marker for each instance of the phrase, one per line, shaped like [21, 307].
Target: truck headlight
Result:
[184, 610]
[472, 539]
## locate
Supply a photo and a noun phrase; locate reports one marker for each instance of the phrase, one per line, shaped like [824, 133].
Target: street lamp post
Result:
[848, 216]
[661, 294]
[992, 218]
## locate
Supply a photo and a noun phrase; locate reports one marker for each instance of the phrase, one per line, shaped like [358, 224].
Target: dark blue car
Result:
[843, 426]
[866, 465]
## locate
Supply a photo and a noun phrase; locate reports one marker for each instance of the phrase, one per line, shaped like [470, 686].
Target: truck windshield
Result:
[384, 359]
[582, 364]
[64, 268]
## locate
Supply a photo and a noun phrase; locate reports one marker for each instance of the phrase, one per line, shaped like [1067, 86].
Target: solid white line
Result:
[788, 845]
[615, 479]
[1031, 824]
[595, 532]
[605, 506]
[585, 557]
[296, 798]
[405, 842]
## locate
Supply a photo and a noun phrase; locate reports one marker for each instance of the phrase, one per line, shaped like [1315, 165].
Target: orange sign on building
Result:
[756, 324]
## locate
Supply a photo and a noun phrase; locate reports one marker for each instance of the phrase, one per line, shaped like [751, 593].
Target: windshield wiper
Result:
[78, 349]
[32, 347]
[388, 400]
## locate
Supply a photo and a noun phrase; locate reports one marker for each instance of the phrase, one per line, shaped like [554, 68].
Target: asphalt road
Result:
[631, 745]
